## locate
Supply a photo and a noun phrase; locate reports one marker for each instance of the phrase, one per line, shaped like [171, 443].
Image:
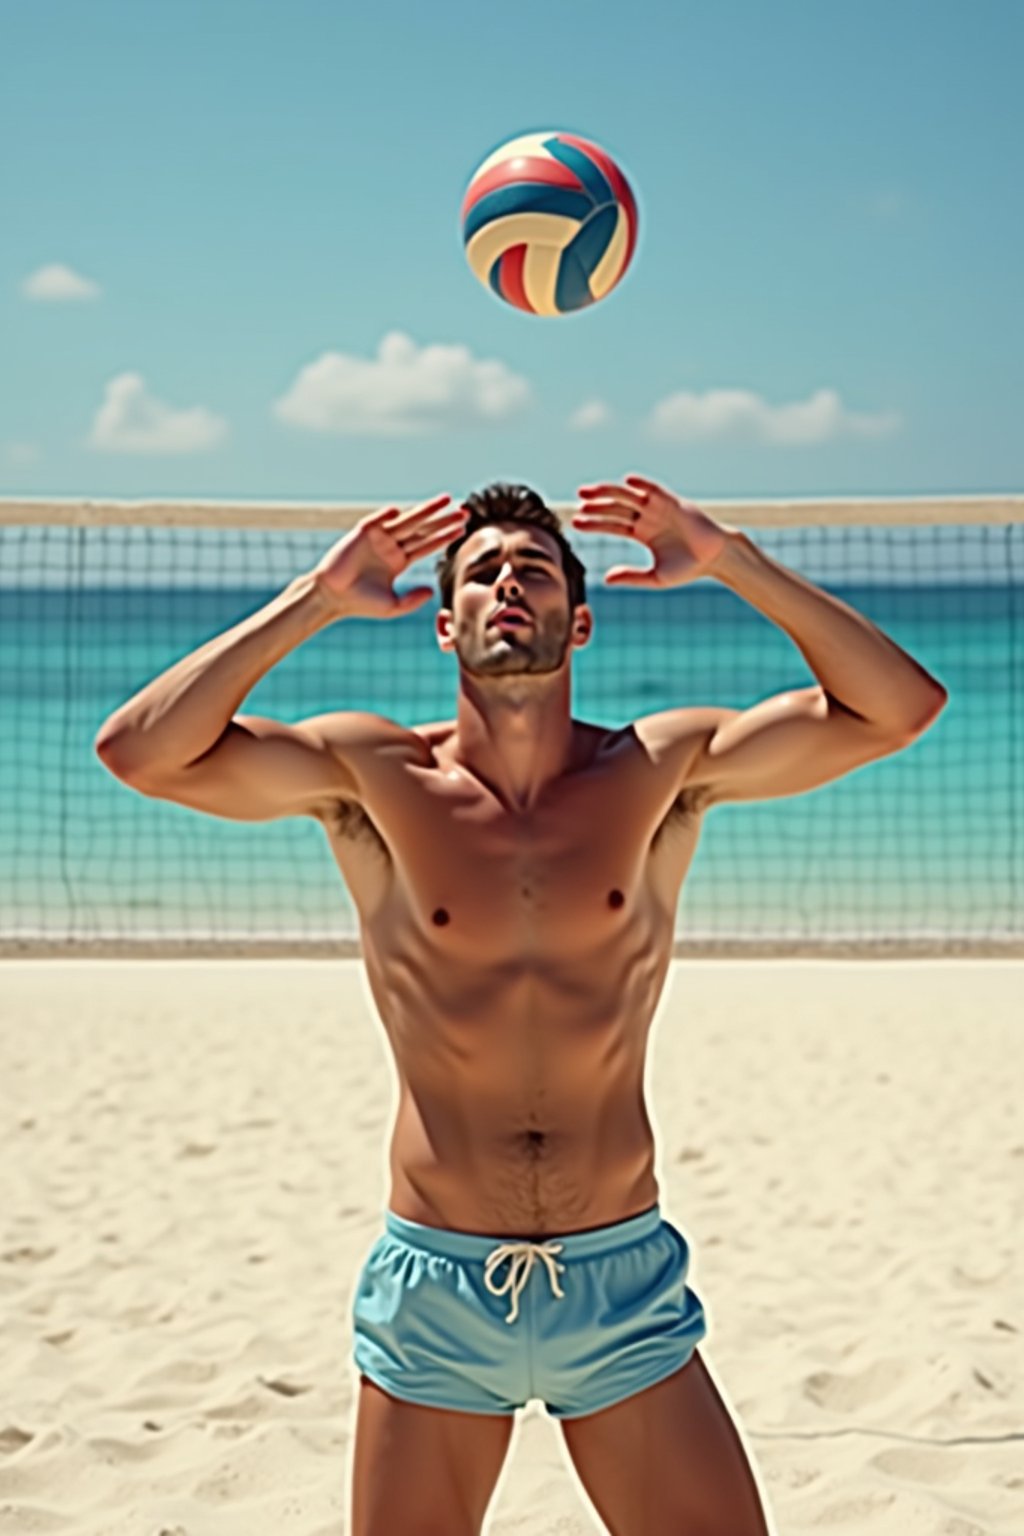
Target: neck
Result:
[515, 733]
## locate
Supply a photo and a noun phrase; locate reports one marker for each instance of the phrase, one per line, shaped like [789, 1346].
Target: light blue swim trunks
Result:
[484, 1324]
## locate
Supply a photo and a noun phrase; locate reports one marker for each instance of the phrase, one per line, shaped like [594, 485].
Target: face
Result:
[511, 566]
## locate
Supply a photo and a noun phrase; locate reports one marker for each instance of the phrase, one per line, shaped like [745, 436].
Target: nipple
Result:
[615, 898]
[440, 917]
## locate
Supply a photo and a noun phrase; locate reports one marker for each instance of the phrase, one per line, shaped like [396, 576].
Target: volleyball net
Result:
[921, 852]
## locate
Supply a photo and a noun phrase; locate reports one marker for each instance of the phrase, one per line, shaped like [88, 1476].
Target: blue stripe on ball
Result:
[591, 175]
[572, 290]
[594, 238]
[526, 197]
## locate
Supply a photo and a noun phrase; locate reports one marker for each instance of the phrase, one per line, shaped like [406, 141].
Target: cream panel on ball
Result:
[540, 277]
[543, 229]
[609, 269]
[528, 144]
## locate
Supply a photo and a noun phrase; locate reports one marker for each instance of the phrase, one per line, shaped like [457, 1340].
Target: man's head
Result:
[511, 554]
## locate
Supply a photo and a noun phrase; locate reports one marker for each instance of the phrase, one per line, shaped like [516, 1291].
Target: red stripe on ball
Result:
[520, 168]
[510, 278]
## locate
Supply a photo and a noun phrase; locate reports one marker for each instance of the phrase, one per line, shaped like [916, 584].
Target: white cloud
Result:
[739, 413]
[131, 421]
[406, 391]
[58, 284]
[21, 455]
[589, 416]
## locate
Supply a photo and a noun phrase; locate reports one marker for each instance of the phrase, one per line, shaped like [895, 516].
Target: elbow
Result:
[108, 756]
[114, 750]
[930, 712]
[900, 731]
[105, 746]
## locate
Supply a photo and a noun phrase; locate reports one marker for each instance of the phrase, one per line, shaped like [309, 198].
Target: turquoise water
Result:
[929, 843]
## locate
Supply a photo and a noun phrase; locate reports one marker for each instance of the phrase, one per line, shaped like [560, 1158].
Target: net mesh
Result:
[921, 848]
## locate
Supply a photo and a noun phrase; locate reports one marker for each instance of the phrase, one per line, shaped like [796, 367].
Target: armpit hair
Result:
[348, 820]
[682, 813]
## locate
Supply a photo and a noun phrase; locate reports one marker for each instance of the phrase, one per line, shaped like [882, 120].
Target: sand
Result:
[195, 1168]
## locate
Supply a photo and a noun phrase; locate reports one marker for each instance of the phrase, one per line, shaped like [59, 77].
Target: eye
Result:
[486, 572]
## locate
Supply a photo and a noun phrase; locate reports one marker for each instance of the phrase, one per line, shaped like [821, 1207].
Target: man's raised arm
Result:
[184, 721]
[872, 698]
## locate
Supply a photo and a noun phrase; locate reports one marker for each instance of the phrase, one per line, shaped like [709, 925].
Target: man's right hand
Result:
[356, 576]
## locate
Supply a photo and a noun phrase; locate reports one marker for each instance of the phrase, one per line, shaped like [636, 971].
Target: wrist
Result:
[325, 605]
[729, 561]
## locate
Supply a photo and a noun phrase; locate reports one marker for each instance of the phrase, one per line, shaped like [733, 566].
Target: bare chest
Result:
[561, 880]
[598, 863]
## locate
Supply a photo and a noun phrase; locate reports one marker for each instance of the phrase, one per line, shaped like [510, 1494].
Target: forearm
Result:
[178, 716]
[851, 658]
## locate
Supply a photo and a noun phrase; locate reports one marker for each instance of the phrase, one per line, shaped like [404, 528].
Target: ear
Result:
[582, 624]
[444, 628]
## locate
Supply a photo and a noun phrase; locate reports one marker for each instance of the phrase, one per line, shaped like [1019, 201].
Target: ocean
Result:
[927, 844]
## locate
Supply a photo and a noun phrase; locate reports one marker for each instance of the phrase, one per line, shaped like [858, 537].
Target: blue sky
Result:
[830, 219]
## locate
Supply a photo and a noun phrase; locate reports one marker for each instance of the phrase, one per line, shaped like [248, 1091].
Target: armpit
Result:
[347, 820]
[685, 810]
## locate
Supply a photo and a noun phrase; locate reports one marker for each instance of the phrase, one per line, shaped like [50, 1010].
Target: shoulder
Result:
[361, 734]
[435, 734]
[677, 735]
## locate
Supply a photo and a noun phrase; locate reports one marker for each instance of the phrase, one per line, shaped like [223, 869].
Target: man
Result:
[516, 873]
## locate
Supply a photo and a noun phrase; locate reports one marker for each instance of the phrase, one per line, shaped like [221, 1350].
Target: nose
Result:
[509, 586]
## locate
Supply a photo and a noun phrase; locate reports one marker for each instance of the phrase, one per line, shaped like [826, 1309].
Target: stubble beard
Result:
[538, 648]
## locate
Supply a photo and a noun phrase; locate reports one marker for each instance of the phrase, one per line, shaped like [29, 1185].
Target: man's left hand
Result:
[684, 541]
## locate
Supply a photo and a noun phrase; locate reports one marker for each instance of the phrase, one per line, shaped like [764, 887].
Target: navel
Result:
[440, 917]
[615, 898]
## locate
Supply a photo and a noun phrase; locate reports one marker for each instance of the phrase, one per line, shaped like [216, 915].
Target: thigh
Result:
[421, 1471]
[668, 1459]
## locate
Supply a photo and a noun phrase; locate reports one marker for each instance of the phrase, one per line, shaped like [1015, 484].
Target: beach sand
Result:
[196, 1167]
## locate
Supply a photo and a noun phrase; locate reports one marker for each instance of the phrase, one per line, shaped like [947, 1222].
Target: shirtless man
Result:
[516, 872]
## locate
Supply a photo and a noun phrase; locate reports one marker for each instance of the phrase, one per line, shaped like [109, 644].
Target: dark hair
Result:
[504, 503]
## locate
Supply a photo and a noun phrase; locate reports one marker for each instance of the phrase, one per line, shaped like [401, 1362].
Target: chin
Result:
[515, 664]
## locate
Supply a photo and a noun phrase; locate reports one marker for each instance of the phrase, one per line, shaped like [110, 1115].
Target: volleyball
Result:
[549, 223]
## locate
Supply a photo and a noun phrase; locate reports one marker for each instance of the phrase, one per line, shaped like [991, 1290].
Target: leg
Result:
[668, 1462]
[423, 1471]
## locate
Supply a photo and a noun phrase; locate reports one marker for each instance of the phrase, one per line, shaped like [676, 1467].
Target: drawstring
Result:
[522, 1256]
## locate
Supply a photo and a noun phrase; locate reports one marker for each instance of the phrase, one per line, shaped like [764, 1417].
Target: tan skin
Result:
[516, 873]
[516, 937]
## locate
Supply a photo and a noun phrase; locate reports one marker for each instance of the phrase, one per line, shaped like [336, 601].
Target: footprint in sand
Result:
[64, 1336]
[844, 1394]
[856, 1511]
[286, 1388]
[12, 1439]
[27, 1255]
[920, 1463]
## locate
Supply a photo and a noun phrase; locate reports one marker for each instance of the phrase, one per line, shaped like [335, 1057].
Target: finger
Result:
[644, 484]
[419, 527]
[605, 525]
[376, 519]
[618, 511]
[629, 576]
[434, 530]
[623, 493]
[415, 515]
[434, 538]
[607, 507]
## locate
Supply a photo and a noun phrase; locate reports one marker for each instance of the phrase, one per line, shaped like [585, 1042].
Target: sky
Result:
[232, 263]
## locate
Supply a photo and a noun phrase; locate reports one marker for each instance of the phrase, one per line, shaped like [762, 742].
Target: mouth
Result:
[512, 616]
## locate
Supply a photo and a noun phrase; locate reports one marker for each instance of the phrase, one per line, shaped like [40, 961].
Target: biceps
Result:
[259, 770]
[792, 742]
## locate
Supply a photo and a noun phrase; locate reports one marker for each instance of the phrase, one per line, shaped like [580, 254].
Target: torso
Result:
[516, 961]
